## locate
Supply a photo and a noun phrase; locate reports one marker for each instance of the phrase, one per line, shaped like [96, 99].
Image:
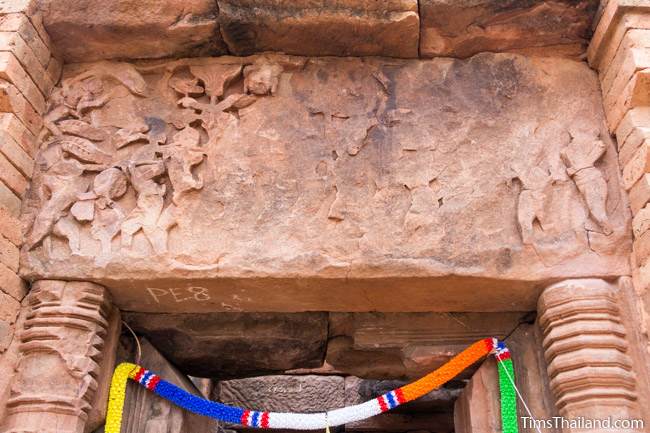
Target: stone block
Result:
[54, 69]
[12, 284]
[12, 101]
[11, 125]
[9, 201]
[638, 117]
[12, 177]
[345, 28]
[402, 423]
[465, 28]
[637, 166]
[439, 400]
[19, 23]
[15, 154]
[9, 308]
[211, 345]
[155, 29]
[287, 393]
[642, 248]
[619, 17]
[635, 94]
[477, 409]
[632, 56]
[12, 42]
[457, 204]
[8, 254]
[151, 413]
[14, 6]
[10, 227]
[407, 345]
[97, 412]
[12, 71]
[640, 194]
[639, 137]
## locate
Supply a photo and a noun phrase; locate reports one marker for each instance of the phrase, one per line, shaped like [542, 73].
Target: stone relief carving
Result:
[585, 149]
[124, 179]
[332, 158]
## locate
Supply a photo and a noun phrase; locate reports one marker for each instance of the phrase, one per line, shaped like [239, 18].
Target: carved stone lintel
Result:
[586, 346]
[61, 343]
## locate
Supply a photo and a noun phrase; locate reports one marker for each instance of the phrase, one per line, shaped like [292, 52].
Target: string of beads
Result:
[323, 420]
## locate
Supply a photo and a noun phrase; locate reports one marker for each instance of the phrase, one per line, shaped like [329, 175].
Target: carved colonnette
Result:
[587, 339]
[62, 343]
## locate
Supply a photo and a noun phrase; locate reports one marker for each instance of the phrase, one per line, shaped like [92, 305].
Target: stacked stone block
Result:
[620, 51]
[29, 69]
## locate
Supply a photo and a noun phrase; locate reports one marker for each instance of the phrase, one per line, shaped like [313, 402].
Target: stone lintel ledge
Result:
[280, 183]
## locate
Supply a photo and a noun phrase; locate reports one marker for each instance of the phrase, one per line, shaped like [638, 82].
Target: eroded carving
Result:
[340, 159]
[61, 345]
[585, 149]
[122, 178]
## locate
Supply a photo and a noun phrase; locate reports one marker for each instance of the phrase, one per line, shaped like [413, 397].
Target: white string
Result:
[505, 370]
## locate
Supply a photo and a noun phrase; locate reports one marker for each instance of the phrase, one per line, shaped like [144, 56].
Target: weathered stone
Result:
[398, 422]
[16, 155]
[453, 205]
[8, 254]
[11, 283]
[61, 342]
[211, 345]
[477, 410]
[132, 29]
[594, 369]
[98, 407]
[10, 124]
[9, 308]
[19, 23]
[408, 345]
[14, 43]
[286, 393]
[9, 200]
[360, 390]
[637, 166]
[12, 71]
[151, 413]
[342, 28]
[640, 194]
[12, 101]
[464, 28]
[10, 227]
[11, 177]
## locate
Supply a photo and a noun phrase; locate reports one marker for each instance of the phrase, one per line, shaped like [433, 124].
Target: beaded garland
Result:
[323, 420]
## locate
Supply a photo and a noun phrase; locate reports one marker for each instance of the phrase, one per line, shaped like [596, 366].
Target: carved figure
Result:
[262, 78]
[149, 215]
[580, 156]
[109, 185]
[531, 199]
[62, 184]
[180, 156]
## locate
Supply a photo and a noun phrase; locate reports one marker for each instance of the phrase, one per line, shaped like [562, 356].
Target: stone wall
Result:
[29, 69]
[395, 28]
[620, 51]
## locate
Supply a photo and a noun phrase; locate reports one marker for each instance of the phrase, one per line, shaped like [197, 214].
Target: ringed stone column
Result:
[61, 342]
[586, 346]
